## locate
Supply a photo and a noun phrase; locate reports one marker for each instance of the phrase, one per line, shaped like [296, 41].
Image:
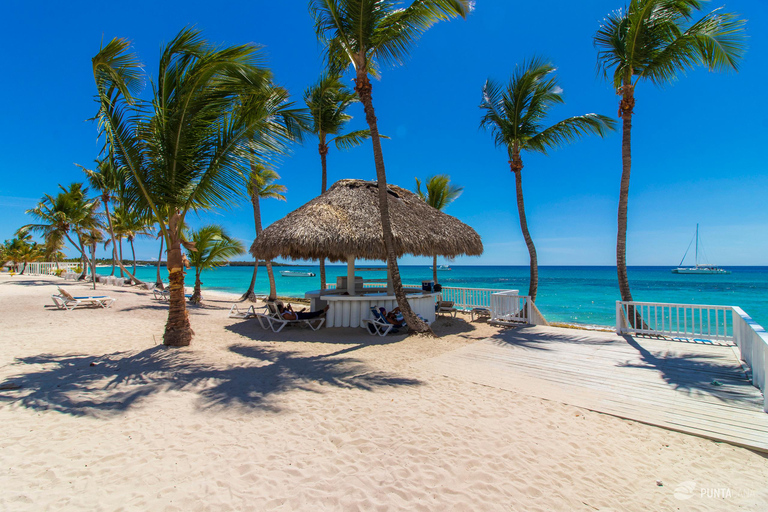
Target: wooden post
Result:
[351, 275]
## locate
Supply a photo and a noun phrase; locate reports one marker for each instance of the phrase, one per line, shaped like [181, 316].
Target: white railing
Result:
[44, 268]
[509, 307]
[693, 321]
[752, 341]
[690, 321]
[468, 298]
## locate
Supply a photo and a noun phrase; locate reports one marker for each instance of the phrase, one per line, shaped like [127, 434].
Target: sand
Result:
[106, 418]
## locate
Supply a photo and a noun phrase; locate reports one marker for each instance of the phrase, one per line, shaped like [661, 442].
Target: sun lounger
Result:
[234, 312]
[379, 324]
[166, 294]
[445, 307]
[66, 301]
[273, 320]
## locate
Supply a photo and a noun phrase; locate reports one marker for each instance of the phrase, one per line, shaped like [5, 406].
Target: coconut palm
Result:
[109, 180]
[438, 193]
[657, 40]
[516, 116]
[22, 250]
[328, 101]
[212, 248]
[365, 35]
[70, 211]
[129, 224]
[187, 148]
[259, 184]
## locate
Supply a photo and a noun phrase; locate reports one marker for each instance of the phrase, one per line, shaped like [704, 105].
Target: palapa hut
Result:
[344, 223]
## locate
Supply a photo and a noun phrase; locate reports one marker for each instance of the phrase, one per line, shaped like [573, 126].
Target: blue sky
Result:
[698, 144]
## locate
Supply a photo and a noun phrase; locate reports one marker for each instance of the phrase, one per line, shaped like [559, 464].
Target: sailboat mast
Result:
[697, 244]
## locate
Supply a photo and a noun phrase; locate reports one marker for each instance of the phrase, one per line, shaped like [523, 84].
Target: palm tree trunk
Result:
[434, 268]
[122, 268]
[196, 294]
[250, 295]
[272, 287]
[93, 263]
[323, 148]
[178, 332]
[257, 223]
[363, 89]
[23, 269]
[159, 281]
[626, 107]
[105, 203]
[533, 285]
[133, 254]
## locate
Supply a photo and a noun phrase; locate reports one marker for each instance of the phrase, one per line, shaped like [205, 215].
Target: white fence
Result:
[677, 320]
[693, 321]
[752, 341]
[468, 298]
[44, 268]
[507, 307]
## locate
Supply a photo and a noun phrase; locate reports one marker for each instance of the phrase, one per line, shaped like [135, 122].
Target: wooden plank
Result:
[606, 374]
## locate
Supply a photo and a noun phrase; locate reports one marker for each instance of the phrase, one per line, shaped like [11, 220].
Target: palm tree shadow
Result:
[696, 374]
[84, 385]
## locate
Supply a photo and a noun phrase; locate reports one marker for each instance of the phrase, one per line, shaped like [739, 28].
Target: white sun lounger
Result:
[234, 312]
[66, 301]
[272, 319]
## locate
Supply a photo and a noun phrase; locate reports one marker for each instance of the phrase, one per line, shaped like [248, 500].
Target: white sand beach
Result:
[106, 418]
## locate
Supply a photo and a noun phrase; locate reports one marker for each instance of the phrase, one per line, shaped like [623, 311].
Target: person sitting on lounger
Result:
[395, 317]
[287, 313]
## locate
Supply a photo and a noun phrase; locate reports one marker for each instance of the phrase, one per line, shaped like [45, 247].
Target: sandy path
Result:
[244, 419]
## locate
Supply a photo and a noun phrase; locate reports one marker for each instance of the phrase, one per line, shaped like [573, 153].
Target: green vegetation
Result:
[366, 36]
[656, 41]
[438, 193]
[516, 115]
[210, 247]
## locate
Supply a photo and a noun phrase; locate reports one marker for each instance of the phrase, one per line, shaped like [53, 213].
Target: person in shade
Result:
[287, 313]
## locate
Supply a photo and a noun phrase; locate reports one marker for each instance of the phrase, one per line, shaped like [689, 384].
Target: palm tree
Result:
[187, 148]
[656, 40]
[129, 224]
[438, 193]
[70, 211]
[212, 248]
[22, 249]
[109, 180]
[261, 184]
[515, 116]
[328, 101]
[365, 35]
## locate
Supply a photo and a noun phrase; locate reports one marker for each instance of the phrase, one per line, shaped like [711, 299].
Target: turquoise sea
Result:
[584, 295]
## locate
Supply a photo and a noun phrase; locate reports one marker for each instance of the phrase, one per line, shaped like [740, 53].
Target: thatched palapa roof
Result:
[345, 221]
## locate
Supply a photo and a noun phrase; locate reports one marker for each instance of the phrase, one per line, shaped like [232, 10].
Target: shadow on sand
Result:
[89, 385]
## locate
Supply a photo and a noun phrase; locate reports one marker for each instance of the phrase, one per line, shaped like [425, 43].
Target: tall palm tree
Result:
[328, 101]
[657, 40]
[438, 193]
[260, 183]
[187, 148]
[109, 180]
[516, 115]
[364, 35]
[213, 248]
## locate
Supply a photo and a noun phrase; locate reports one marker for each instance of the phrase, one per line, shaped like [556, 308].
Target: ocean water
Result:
[584, 295]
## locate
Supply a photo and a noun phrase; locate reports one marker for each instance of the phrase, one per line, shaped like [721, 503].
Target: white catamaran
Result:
[698, 269]
[296, 273]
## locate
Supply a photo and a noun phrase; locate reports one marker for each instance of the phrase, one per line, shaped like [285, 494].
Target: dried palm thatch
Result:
[345, 221]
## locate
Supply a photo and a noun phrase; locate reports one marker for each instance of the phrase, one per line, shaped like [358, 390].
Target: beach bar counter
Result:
[348, 306]
[350, 310]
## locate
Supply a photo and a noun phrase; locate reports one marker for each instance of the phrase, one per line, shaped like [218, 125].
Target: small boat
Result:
[296, 273]
[699, 268]
[441, 267]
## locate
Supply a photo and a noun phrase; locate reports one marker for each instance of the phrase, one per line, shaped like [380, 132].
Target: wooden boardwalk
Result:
[696, 388]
